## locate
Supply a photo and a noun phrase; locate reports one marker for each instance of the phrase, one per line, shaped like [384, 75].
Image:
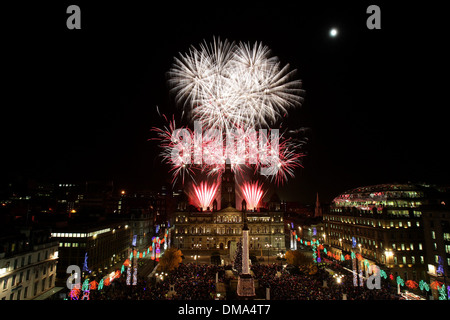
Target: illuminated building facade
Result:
[387, 224]
[94, 248]
[219, 230]
[28, 260]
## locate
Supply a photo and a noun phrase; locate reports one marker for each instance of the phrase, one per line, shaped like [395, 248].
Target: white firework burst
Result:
[229, 86]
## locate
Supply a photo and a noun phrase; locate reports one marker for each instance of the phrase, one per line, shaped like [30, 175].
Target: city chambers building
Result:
[220, 228]
[402, 227]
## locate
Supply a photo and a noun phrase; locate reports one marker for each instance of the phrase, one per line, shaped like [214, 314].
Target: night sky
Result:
[80, 103]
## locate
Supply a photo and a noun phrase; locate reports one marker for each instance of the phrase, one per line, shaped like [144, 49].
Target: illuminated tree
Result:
[295, 258]
[170, 260]
[238, 257]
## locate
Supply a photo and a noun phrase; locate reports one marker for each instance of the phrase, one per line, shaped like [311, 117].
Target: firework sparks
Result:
[253, 194]
[205, 194]
[233, 90]
[188, 153]
[231, 86]
[176, 149]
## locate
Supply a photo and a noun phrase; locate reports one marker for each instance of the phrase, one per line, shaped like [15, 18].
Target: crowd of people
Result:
[321, 285]
[188, 281]
[198, 282]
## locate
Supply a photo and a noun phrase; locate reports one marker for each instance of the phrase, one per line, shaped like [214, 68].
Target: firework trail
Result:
[205, 194]
[253, 193]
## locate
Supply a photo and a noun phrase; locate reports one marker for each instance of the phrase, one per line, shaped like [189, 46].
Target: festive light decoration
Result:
[157, 249]
[85, 264]
[128, 280]
[355, 279]
[86, 295]
[134, 276]
[423, 285]
[93, 285]
[85, 285]
[366, 263]
[440, 268]
[442, 293]
[100, 285]
[153, 251]
[436, 284]
[361, 279]
[237, 259]
[74, 293]
[411, 284]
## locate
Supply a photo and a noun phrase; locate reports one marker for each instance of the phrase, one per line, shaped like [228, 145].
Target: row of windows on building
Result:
[228, 219]
[17, 295]
[374, 223]
[78, 234]
[29, 260]
[445, 236]
[18, 279]
[20, 276]
[369, 232]
[207, 230]
[369, 242]
[402, 259]
[72, 244]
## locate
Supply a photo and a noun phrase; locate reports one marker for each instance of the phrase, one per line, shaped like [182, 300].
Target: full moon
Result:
[333, 32]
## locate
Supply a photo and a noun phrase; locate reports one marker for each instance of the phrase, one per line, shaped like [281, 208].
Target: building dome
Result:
[401, 196]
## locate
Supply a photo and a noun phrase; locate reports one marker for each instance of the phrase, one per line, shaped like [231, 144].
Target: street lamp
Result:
[388, 254]
[196, 246]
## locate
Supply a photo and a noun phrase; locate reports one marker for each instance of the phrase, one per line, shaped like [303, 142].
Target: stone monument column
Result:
[246, 286]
